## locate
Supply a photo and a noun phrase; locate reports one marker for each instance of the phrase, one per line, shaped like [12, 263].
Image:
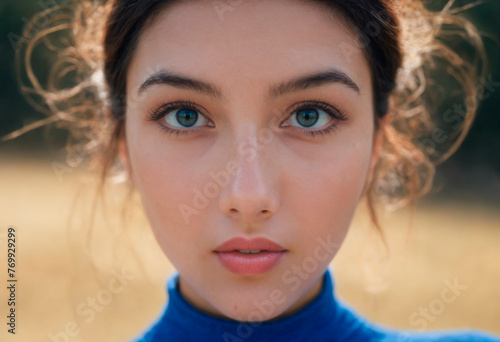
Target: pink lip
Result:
[241, 263]
[253, 244]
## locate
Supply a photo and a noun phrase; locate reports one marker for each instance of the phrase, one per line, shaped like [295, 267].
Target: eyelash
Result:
[333, 112]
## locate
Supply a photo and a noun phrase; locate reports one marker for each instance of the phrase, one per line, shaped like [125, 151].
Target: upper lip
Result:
[240, 243]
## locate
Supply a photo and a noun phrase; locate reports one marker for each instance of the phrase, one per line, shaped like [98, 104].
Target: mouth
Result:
[256, 245]
[241, 262]
[256, 256]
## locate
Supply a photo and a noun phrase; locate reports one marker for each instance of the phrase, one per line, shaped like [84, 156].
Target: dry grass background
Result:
[55, 278]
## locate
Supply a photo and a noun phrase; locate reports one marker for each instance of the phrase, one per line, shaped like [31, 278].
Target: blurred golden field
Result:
[56, 280]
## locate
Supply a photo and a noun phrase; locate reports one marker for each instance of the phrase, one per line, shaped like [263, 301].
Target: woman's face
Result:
[246, 164]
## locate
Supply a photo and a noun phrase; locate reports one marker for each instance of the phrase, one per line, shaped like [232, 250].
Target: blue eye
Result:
[311, 113]
[184, 117]
[308, 117]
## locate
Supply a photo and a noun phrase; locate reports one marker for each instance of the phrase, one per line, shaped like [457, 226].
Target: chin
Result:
[252, 308]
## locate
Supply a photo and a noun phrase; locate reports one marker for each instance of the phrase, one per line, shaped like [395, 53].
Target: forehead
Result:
[248, 43]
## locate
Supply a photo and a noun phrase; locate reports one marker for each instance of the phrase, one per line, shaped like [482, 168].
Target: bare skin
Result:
[292, 188]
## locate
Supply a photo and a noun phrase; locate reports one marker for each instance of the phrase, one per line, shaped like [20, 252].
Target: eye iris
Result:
[187, 117]
[307, 117]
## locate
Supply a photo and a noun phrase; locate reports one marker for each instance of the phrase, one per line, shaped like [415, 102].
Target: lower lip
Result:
[257, 263]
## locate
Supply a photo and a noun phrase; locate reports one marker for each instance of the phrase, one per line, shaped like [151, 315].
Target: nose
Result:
[251, 196]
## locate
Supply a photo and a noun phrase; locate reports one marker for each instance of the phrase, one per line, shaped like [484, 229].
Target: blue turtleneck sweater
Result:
[325, 318]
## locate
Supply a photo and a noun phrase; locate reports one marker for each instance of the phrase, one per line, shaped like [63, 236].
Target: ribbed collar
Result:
[322, 319]
[321, 308]
[325, 318]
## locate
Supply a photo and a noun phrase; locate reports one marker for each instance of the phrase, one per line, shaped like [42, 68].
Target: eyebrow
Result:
[311, 81]
[300, 83]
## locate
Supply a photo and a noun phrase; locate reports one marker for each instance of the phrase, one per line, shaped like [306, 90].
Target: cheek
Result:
[318, 194]
[165, 180]
[327, 190]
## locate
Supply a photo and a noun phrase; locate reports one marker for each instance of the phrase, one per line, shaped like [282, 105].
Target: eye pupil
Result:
[307, 117]
[187, 117]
